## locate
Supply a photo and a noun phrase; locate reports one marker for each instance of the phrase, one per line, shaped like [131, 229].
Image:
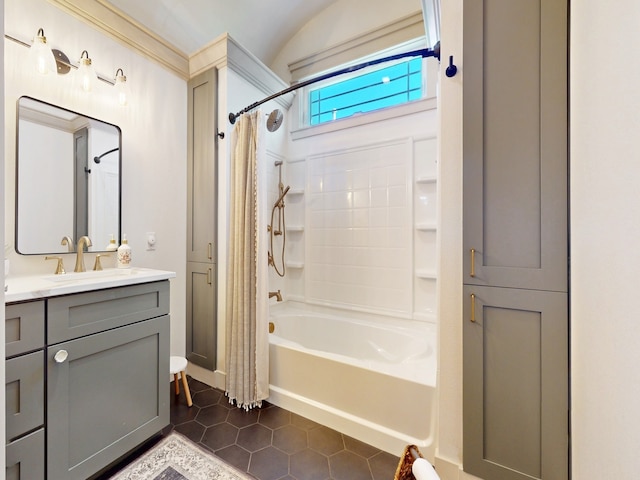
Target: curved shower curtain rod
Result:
[425, 52]
[99, 158]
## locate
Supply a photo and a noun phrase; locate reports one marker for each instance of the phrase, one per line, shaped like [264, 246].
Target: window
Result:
[383, 87]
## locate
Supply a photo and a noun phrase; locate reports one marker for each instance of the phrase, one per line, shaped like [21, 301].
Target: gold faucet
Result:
[84, 241]
[68, 241]
[59, 267]
[98, 266]
[277, 294]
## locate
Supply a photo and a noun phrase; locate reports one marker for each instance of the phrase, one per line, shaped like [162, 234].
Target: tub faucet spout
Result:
[277, 294]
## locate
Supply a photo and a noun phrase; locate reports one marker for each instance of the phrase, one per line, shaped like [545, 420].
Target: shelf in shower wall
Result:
[295, 228]
[427, 179]
[294, 264]
[426, 274]
[426, 227]
[430, 317]
[295, 191]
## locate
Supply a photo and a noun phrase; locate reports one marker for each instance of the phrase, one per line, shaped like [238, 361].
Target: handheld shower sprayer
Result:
[280, 202]
[280, 228]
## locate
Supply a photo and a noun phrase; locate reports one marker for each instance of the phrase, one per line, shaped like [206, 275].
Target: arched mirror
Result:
[68, 179]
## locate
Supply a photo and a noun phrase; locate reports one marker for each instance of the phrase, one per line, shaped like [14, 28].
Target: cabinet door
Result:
[106, 394]
[24, 393]
[201, 167]
[515, 143]
[515, 394]
[201, 314]
[25, 457]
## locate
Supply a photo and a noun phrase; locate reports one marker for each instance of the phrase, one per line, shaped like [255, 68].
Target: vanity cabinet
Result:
[104, 359]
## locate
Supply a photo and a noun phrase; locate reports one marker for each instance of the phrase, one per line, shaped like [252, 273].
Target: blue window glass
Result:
[385, 87]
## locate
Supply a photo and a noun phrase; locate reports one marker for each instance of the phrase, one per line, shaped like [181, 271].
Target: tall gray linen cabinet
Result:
[202, 219]
[515, 322]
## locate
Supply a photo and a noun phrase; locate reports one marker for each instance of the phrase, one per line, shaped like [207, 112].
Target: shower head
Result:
[275, 120]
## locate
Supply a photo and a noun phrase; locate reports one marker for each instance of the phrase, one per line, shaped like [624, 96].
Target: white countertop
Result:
[32, 287]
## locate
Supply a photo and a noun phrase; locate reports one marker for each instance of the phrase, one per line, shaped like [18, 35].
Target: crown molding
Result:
[224, 51]
[257, 73]
[220, 52]
[122, 28]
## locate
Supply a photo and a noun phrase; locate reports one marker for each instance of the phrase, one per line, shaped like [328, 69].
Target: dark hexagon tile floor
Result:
[271, 443]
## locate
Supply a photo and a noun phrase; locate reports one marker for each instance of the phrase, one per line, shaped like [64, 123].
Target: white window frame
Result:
[429, 88]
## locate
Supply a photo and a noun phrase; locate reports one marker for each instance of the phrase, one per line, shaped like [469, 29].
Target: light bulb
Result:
[86, 75]
[41, 55]
[122, 90]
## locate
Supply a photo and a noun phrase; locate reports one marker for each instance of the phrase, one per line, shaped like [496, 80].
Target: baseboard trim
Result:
[214, 379]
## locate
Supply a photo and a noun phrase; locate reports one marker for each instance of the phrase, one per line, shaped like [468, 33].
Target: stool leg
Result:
[177, 385]
[186, 388]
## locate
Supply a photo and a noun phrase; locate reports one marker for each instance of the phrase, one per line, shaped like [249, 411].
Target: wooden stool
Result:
[179, 365]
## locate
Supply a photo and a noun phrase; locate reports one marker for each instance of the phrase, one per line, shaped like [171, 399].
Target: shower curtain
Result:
[247, 344]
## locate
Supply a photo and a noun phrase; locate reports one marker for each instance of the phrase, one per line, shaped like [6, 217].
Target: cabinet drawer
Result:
[24, 391]
[23, 327]
[78, 315]
[24, 457]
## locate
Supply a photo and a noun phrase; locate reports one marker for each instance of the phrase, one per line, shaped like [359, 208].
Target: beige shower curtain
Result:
[247, 348]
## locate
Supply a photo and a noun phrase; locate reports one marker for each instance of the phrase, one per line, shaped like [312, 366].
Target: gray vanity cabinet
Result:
[24, 390]
[107, 369]
[101, 368]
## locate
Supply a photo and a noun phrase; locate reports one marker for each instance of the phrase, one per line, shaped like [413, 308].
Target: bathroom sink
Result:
[30, 286]
[93, 274]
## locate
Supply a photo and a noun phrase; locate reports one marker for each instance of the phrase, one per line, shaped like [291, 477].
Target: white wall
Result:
[605, 234]
[153, 139]
[449, 454]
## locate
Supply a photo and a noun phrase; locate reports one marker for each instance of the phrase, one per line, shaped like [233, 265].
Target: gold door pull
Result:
[473, 307]
[472, 270]
[209, 279]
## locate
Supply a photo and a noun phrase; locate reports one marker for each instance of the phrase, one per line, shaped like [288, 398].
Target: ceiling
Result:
[261, 26]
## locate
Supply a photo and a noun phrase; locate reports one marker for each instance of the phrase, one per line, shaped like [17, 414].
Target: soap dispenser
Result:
[113, 246]
[124, 253]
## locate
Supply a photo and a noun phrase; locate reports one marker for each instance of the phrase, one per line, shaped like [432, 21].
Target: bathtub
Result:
[370, 377]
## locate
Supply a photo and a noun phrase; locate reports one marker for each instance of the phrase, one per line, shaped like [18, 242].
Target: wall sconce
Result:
[85, 76]
[41, 55]
[122, 90]
[46, 60]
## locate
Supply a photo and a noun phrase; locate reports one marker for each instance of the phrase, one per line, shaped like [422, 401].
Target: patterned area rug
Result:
[177, 458]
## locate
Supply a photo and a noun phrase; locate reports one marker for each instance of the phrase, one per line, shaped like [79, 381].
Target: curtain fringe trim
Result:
[245, 406]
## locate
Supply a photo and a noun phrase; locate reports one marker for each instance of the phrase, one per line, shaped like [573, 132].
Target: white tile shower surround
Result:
[359, 227]
[359, 211]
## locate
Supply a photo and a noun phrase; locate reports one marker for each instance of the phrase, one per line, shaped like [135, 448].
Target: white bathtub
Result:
[370, 377]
